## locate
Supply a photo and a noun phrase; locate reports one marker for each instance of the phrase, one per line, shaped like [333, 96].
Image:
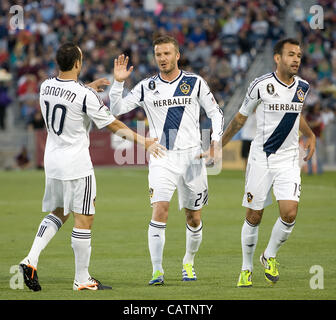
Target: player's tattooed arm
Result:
[234, 126]
[310, 138]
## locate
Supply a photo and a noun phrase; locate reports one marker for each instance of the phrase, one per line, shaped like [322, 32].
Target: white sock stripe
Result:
[193, 229]
[251, 224]
[288, 225]
[160, 226]
[57, 221]
[81, 235]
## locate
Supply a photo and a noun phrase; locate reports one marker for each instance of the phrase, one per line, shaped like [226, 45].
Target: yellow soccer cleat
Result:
[158, 279]
[271, 269]
[188, 273]
[245, 279]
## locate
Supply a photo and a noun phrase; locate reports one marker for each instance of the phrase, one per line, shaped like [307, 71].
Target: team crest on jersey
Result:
[270, 88]
[185, 87]
[300, 95]
[151, 85]
[249, 197]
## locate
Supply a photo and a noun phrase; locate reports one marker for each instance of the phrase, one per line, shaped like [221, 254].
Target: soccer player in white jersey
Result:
[68, 106]
[172, 100]
[273, 162]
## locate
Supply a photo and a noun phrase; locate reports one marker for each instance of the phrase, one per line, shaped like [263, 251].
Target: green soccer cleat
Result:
[188, 273]
[158, 279]
[271, 269]
[245, 279]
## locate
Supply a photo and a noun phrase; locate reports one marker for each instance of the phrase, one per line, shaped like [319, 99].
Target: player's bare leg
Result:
[280, 233]
[193, 242]
[81, 245]
[48, 227]
[249, 239]
[156, 240]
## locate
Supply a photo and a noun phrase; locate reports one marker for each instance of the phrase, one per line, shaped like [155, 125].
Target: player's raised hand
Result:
[99, 83]
[155, 148]
[120, 71]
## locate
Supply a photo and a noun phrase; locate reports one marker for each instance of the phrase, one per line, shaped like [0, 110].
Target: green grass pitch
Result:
[120, 254]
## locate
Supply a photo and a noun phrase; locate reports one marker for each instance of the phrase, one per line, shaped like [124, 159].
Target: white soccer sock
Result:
[249, 239]
[46, 231]
[193, 242]
[81, 245]
[280, 233]
[156, 242]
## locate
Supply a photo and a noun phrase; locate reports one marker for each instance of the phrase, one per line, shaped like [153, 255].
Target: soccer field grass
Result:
[120, 254]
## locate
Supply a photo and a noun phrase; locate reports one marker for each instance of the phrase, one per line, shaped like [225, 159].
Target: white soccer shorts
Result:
[179, 170]
[77, 195]
[286, 183]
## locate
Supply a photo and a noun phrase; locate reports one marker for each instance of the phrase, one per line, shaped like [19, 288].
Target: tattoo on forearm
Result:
[232, 129]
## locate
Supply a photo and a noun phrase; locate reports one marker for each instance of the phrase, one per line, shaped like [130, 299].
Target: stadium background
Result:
[229, 43]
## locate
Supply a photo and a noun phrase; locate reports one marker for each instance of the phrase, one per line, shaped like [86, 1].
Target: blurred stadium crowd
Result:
[218, 39]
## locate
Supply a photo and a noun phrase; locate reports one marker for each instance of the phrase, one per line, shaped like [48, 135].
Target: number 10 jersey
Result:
[68, 107]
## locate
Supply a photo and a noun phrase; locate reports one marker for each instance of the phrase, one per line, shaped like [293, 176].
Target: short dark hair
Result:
[166, 39]
[66, 56]
[280, 44]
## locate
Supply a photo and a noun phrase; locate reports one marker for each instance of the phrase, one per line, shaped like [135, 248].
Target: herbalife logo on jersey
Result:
[178, 101]
[285, 107]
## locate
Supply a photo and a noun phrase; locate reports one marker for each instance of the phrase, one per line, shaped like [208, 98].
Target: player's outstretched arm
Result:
[98, 84]
[310, 138]
[234, 126]
[150, 144]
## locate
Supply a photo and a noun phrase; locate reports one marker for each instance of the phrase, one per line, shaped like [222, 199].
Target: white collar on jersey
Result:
[170, 82]
[284, 84]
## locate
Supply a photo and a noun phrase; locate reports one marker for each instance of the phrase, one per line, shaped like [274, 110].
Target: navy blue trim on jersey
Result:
[256, 81]
[185, 86]
[170, 82]
[171, 126]
[280, 133]
[61, 80]
[142, 94]
[284, 84]
[199, 90]
[304, 87]
[84, 105]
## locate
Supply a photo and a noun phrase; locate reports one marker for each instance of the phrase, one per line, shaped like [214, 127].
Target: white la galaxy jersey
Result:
[68, 107]
[172, 108]
[278, 110]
